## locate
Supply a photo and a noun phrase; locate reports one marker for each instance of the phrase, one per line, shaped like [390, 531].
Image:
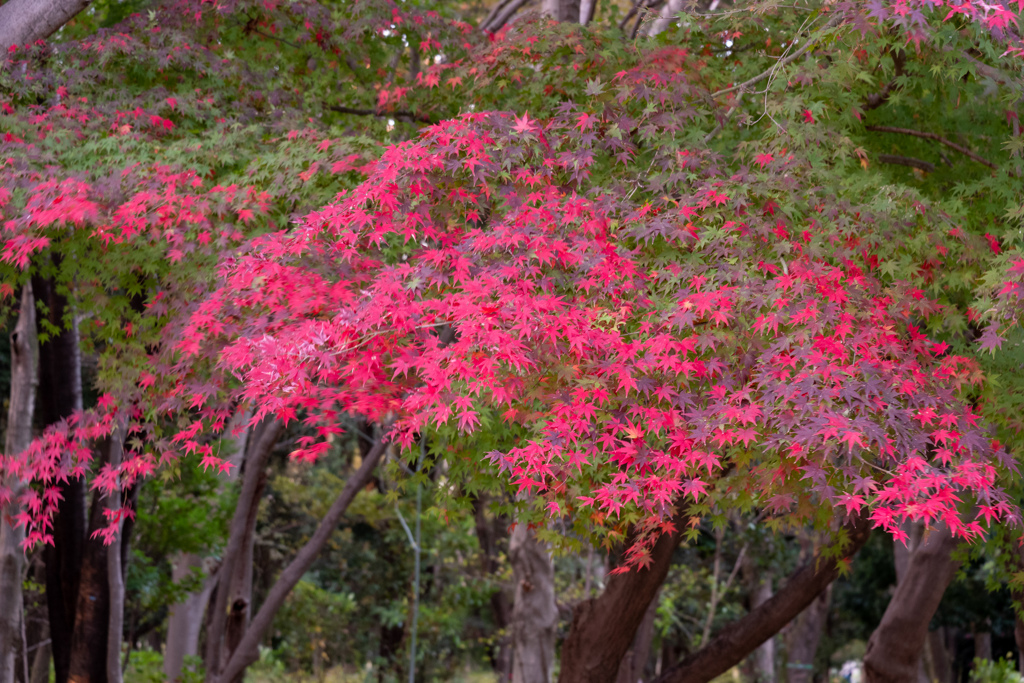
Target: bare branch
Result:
[399, 114]
[913, 162]
[932, 136]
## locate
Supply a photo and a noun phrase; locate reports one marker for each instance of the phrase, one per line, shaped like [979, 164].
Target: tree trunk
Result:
[631, 669]
[115, 579]
[983, 645]
[534, 613]
[19, 435]
[259, 444]
[665, 17]
[894, 650]
[60, 395]
[603, 629]
[762, 661]
[23, 22]
[88, 662]
[802, 641]
[247, 651]
[487, 533]
[185, 619]
[561, 10]
[240, 586]
[743, 636]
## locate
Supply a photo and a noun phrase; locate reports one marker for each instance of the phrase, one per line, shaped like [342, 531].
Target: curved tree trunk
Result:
[894, 650]
[603, 629]
[19, 435]
[258, 446]
[534, 613]
[185, 619]
[247, 651]
[25, 21]
[743, 636]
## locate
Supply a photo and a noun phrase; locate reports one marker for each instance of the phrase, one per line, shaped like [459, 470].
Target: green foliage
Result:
[147, 666]
[995, 671]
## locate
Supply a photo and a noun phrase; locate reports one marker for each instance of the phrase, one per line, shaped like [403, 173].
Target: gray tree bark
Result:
[762, 660]
[894, 649]
[534, 613]
[561, 10]
[803, 640]
[258, 447]
[23, 22]
[24, 354]
[186, 618]
[115, 577]
[247, 651]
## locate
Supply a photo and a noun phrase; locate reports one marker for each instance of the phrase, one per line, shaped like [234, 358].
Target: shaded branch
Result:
[744, 635]
[932, 136]
[500, 15]
[913, 162]
[876, 100]
[399, 114]
[248, 649]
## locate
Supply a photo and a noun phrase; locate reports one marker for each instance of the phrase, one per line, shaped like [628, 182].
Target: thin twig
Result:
[811, 42]
[932, 136]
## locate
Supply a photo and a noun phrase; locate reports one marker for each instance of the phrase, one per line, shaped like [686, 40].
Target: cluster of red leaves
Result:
[641, 343]
[480, 272]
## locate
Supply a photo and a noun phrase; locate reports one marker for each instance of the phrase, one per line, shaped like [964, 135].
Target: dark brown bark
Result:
[743, 636]
[603, 628]
[633, 664]
[60, 394]
[894, 650]
[247, 651]
[88, 660]
[259, 444]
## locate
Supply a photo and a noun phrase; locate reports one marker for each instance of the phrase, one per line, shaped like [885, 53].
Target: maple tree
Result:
[669, 307]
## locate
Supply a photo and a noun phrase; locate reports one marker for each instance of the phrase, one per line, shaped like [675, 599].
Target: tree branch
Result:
[248, 650]
[500, 15]
[932, 136]
[400, 114]
[913, 162]
[744, 635]
[876, 100]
